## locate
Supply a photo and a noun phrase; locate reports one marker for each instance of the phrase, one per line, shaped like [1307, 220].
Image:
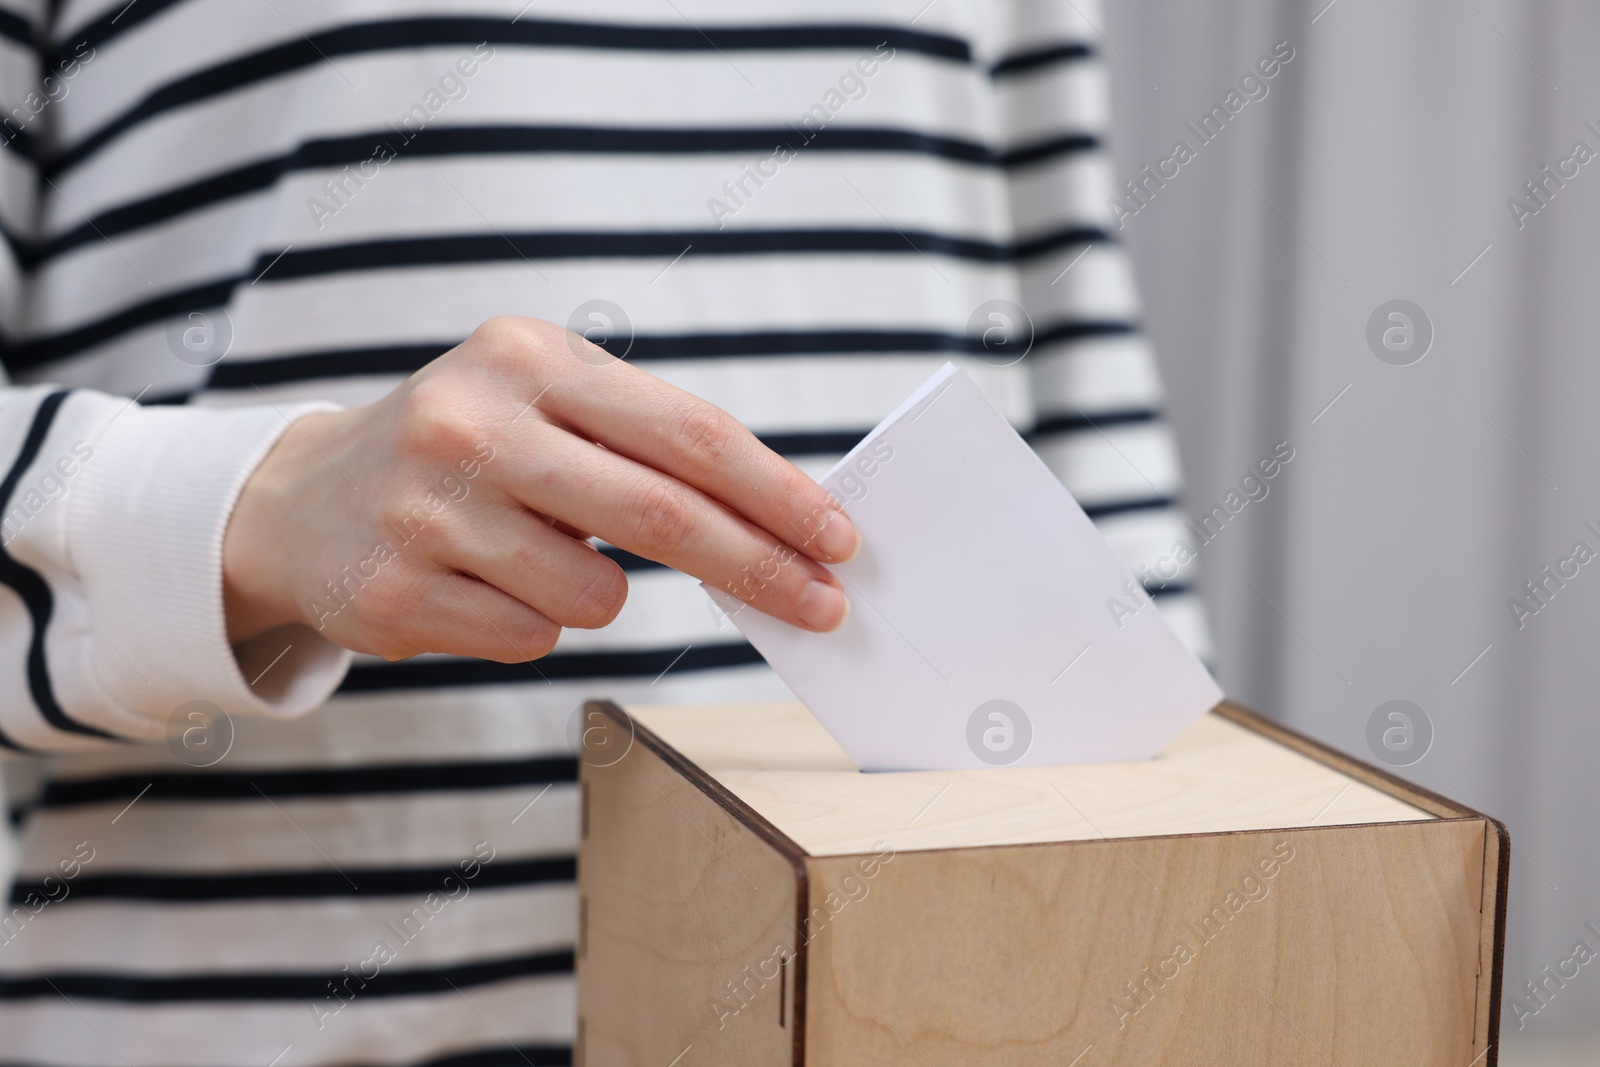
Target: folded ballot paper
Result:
[990, 624]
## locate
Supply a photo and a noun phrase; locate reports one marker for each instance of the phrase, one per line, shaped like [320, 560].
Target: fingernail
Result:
[838, 539]
[822, 607]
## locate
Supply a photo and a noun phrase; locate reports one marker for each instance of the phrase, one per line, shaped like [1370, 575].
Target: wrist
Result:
[259, 545]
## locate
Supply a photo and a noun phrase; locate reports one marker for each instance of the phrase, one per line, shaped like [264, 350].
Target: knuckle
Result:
[540, 637]
[705, 435]
[434, 422]
[395, 613]
[509, 345]
[529, 558]
[408, 518]
[502, 334]
[601, 598]
[662, 518]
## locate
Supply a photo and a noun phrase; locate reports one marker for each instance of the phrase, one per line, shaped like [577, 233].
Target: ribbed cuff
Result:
[145, 536]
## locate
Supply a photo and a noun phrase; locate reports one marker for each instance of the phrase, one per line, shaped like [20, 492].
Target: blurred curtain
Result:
[1382, 163]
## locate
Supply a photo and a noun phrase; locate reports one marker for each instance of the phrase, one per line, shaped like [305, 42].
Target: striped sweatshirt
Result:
[221, 214]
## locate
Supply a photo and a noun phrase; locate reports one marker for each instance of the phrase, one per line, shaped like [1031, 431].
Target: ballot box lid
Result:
[1231, 772]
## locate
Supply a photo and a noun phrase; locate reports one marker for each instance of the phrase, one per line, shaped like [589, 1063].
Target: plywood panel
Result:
[1364, 948]
[686, 929]
[1219, 776]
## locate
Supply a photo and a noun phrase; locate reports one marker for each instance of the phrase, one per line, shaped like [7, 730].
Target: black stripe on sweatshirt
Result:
[507, 1055]
[504, 1055]
[18, 139]
[71, 342]
[14, 27]
[1079, 421]
[261, 785]
[405, 359]
[464, 249]
[501, 1055]
[445, 142]
[237, 886]
[570, 666]
[1129, 505]
[1038, 59]
[338, 363]
[31, 586]
[118, 18]
[281, 985]
[402, 34]
[452, 249]
[628, 561]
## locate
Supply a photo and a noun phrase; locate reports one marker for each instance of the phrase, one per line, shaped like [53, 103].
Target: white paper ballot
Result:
[990, 624]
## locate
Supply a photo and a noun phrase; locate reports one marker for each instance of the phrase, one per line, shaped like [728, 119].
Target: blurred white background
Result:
[1379, 166]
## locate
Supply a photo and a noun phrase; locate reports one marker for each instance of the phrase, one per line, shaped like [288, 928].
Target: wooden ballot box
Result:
[1248, 897]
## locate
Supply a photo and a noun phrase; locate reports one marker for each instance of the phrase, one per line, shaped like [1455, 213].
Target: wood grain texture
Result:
[1219, 776]
[682, 908]
[1496, 857]
[1363, 949]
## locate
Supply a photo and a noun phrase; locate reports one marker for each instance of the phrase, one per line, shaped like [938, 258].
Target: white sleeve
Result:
[111, 522]
[111, 613]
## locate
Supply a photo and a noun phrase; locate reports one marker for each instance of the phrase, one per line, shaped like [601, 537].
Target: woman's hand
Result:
[450, 516]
